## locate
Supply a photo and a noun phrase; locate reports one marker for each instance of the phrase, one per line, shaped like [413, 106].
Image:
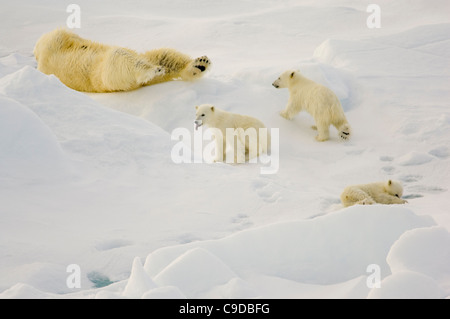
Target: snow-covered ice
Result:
[88, 179]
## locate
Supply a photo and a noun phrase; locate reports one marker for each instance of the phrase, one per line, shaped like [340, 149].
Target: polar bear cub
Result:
[88, 66]
[252, 138]
[317, 100]
[389, 192]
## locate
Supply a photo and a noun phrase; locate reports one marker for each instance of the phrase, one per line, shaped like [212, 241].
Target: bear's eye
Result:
[203, 114]
[396, 195]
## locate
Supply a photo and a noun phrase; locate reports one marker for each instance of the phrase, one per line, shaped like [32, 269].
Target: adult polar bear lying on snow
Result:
[317, 100]
[226, 126]
[389, 192]
[88, 66]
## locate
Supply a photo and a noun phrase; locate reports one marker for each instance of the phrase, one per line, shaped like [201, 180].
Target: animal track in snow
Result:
[242, 221]
[427, 189]
[386, 158]
[410, 178]
[441, 152]
[187, 238]
[411, 196]
[112, 244]
[388, 169]
[267, 191]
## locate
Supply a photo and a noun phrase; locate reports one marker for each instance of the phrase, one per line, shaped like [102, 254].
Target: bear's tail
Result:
[344, 131]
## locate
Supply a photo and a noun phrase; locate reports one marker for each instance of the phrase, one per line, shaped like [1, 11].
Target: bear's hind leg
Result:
[355, 196]
[124, 70]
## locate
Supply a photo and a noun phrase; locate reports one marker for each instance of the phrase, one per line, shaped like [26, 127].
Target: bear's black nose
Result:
[275, 85]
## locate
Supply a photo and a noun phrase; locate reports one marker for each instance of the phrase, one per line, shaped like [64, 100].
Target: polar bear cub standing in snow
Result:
[88, 66]
[317, 100]
[227, 127]
[389, 192]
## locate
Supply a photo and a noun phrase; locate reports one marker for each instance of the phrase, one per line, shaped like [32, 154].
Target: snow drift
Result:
[88, 179]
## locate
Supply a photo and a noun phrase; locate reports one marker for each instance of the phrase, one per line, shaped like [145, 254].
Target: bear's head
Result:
[285, 79]
[394, 188]
[203, 114]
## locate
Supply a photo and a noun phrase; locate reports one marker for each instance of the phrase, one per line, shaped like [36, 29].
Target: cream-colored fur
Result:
[221, 120]
[89, 66]
[389, 192]
[317, 100]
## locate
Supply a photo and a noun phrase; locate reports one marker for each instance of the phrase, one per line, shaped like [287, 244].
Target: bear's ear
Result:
[212, 108]
[196, 107]
[292, 74]
[389, 182]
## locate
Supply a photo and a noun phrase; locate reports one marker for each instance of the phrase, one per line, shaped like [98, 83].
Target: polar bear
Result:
[317, 100]
[87, 66]
[389, 192]
[228, 127]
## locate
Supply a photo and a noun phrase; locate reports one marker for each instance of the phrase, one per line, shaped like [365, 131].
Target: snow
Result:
[88, 179]
[413, 286]
[139, 282]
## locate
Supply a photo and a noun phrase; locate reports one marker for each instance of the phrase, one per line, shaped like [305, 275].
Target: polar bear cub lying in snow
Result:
[317, 100]
[252, 138]
[389, 192]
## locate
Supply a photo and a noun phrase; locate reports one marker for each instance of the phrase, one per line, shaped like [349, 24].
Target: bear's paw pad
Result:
[345, 135]
[202, 63]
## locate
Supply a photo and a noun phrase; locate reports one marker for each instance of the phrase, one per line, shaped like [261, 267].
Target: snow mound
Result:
[24, 291]
[326, 250]
[217, 230]
[27, 83]
[82, 126]
[407, 285]
[423, 250]
[28, 148]
[139, 282]
[314, 260]
[395, 51]
[205, 271]
[325, 257]
[419, 261]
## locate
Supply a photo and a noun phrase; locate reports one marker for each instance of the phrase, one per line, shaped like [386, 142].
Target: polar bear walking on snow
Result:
[389, 192]
[87, 66]
[230, 126]
[317, 100]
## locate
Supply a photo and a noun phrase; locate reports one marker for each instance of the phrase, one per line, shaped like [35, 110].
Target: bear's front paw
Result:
[202, 64]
